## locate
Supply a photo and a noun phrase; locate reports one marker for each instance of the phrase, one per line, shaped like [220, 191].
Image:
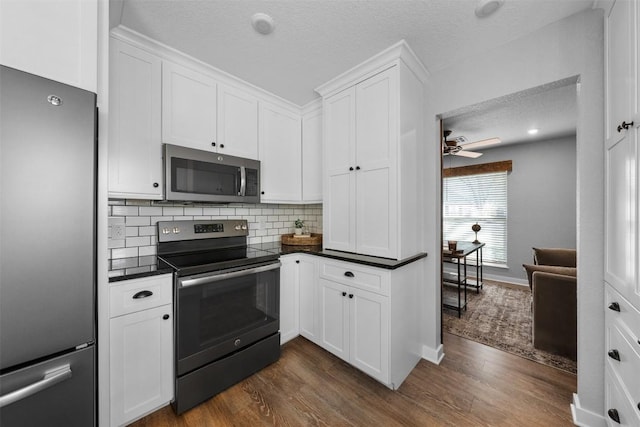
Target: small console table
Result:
[460, 279]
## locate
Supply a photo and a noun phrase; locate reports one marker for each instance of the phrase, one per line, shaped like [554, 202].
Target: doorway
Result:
[535, 132]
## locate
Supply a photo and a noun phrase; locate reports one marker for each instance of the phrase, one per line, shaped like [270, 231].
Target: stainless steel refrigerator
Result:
[47, 252]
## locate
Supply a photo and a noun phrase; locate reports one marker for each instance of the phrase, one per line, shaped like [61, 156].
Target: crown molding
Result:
[154, 47]
[393, 55]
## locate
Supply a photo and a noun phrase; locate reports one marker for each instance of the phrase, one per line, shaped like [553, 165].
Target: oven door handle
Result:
[223, 276]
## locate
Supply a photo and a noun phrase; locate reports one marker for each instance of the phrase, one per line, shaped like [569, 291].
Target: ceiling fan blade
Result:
[481, 143]
[470, 154]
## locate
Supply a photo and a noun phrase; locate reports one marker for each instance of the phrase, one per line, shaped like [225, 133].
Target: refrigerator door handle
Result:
[50, 379]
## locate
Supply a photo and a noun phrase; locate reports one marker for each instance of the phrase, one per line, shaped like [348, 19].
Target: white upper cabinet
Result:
[376, 178]
[312, 155]
[237, 123]
[280, 154]
[53, 39]
[189, 107]
[373, 123]
[135, 150]
[339, 206]
[622, 241]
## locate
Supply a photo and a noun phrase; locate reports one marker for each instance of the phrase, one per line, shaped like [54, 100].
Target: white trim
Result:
[606, 5]
[165, 52]
[374, 65]
[583, 417]
[433, 355]
[311, 106]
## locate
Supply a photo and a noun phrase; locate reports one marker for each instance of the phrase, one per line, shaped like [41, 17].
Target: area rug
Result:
[500, 317]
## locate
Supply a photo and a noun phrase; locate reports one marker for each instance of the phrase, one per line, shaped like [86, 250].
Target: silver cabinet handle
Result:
[50, 379]
[243, 181]
[222, 276]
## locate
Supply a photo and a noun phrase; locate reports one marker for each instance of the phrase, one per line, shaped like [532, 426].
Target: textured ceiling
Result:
[315, 40]
[552, 109]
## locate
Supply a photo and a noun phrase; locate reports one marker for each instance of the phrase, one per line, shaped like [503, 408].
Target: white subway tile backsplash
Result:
[266, 222]
[192, 211]
[124, 210]
[211, 211]
[124, 252]
[150, 211]
[137, 221]
[172, 211]
[138, 241]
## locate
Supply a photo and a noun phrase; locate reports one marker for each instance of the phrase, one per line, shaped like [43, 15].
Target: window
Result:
[477, 198]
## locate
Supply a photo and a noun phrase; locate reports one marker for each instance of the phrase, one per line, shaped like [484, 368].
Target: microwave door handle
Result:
[243, 181]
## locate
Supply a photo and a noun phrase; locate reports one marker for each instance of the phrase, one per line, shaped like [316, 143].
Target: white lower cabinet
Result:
[298, 297]
[369, 317]
[308, 290]
[141, 347]
[355, 327]
[288, 299]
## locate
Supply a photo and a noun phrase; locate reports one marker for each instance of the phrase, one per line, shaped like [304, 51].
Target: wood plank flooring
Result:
[475, 385]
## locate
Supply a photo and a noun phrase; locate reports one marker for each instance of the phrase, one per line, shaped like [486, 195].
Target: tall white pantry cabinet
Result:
[622, 240]
[373, 124]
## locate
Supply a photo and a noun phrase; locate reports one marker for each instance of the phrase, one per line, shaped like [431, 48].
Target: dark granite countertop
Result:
[143, 266]
[135, 267]
[372, 261]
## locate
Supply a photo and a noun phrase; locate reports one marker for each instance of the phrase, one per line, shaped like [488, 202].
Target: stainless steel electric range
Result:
[227, 297]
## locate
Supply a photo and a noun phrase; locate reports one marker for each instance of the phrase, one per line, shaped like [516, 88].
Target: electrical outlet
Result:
[117, 231]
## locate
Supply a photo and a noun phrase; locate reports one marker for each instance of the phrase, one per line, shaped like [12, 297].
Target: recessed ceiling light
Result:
[262, 23]
[487, 7]
[532, 131]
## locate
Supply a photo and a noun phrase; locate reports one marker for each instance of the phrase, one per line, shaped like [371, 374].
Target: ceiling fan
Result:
[458, 146]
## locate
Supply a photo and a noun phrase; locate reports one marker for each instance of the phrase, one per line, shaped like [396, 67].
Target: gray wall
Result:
[541, 199]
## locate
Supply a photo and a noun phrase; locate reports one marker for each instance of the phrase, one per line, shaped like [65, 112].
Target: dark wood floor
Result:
[475, 385]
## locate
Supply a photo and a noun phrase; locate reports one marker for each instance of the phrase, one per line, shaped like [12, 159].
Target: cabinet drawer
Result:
[617, 404]
[358, 276]
[628, 316]
[619, 346]
[134, 295]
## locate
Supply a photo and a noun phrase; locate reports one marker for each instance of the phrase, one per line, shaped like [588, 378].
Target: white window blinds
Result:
[482, 199]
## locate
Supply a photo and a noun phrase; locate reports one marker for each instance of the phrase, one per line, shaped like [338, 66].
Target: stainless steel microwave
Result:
[201, 176]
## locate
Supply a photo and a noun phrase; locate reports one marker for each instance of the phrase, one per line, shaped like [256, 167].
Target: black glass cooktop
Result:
[214, 260]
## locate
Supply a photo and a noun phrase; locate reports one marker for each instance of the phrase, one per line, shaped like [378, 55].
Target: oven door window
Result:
[197, 177]
[217, 318]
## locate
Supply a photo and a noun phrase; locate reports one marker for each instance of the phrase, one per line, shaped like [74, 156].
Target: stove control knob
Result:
[176, 230]
[244, 226]
[166, 231]
[237, 227]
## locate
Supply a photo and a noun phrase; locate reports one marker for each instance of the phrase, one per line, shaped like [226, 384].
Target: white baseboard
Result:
[433, 355]
[515, 280]
[583, 417]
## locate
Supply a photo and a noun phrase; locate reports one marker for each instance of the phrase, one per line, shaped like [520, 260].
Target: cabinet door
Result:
[621, 155]
[135, 151]
[188, 107]
[141, 346]
[280, 154]
[620, 66]
[339, 170]
[312, 156]
[308, 285]
[334, 318]
[369, 333]
[376, 189]
[288, 298]
[237, 123]
[53, 39]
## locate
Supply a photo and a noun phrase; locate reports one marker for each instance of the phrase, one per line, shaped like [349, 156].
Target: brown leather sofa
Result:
[553, 281]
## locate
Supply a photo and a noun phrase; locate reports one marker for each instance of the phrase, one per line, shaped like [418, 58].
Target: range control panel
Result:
[171, 231]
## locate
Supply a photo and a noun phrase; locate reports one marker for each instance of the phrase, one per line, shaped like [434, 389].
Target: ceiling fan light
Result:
[485, 8]
[532, 131]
